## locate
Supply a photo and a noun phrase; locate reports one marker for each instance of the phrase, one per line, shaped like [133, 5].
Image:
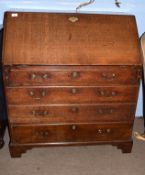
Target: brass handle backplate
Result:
[40, 113]
[105, 111]
[104, 131]
[45, 76]
[107, 93]
[42, 93]
[43, 134]
[35, 76]
[109, 77]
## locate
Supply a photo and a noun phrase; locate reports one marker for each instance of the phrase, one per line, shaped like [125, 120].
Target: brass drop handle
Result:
[75, 74]
[42, 94]
[111, 76]
[45, 113]
[102, 93]
[108, 94]
[42, 133]
[105, 111]
[73, 127]
[33, 76]
[40, 113]
[100, 131]
[104, 131]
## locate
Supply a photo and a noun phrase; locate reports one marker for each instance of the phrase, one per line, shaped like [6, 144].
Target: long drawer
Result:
[71, 75]
[71, 113]
[74, 94]
[69, 133]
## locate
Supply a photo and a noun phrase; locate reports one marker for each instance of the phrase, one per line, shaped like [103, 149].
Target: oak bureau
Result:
[70, 79]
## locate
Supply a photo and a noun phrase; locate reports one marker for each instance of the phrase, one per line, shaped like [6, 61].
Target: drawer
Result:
[71, 75]
[74, 94]
[69, 133]
[71, 113]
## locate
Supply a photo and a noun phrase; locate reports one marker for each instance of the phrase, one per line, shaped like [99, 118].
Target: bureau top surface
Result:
[58, 39]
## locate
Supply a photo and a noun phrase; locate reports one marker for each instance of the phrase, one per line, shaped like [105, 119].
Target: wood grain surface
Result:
[70, 133]
[51, 39]
[71, 75]
[70, 95]
[70, 83]
[75, 113]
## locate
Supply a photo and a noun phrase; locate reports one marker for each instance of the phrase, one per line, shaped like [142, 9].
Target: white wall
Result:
[135, 7]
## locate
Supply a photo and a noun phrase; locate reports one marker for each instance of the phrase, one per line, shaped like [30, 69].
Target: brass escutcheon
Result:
[73, 19]
[75, 74]
[74, 109]
[74, 91]
[73, 127]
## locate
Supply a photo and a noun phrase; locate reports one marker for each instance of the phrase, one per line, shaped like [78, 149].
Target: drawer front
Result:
[71, 113]
[71, 75]
[70, 133]
[65, 95]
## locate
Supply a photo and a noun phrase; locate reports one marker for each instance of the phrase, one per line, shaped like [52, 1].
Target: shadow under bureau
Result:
[70, 79]
[3, 121]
